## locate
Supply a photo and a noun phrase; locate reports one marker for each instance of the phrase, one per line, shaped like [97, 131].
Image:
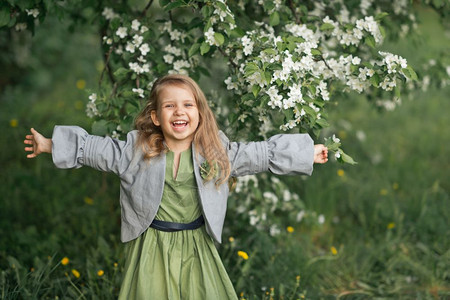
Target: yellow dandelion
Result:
[115, 265]
[333, 250]
[13, 123]
[395, 186]
[88, 200]
[391, 225]
[32, 269]
[99, 65]
[383, 192]
[231, 239]
[297, 278]
[290, 229]
[76, 273]
[65, 261]
[342, 134]
[79, 105]
[100, 273]
[340, 172]
[243, 254]
[81, 84]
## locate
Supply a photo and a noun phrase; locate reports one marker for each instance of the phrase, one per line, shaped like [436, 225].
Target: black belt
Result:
[171, 226]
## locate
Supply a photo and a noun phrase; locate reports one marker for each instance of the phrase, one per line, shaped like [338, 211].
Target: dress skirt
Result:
[176, 265]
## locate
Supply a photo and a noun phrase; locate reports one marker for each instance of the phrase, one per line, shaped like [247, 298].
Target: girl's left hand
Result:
[320, 154]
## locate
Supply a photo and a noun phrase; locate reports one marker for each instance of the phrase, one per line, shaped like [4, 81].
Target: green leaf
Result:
[194, 49]
[332, 145]
[255, 90]
[204, 48]
[381, 16]
[397, 92]
[347, 159]
[121, 73]
[274, 19]
[281, 46]
[375, 80]
[219, 38]
[268, 77]
[4, 16]
[100, 128]
[326, 26]
[173, 5]
[163, 3]
[370, 41]
[221, 5]
[207, 11]
[270, 51]
[250, 68]
[309, 110]
[316, 52]
[323, 123]
[410, 73]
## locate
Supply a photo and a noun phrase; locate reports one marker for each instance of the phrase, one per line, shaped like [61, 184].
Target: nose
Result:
[179, 110]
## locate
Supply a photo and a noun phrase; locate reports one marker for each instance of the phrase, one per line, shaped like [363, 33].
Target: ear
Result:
[154, 117]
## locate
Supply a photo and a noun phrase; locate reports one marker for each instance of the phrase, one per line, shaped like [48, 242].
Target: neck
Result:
[178, 147]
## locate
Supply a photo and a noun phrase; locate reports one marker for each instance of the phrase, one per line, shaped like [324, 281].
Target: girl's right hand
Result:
[40, 144]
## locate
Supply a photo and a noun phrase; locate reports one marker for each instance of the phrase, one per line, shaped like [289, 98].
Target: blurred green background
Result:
[386, 229]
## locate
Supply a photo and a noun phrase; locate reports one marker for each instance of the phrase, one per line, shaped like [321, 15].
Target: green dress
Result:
[176, 265]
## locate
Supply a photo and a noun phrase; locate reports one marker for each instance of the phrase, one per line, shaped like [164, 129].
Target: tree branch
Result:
[144, 12]
[229, 58]
[292, 8]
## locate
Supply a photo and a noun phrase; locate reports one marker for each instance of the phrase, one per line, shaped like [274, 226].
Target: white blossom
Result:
[139, 91]
[274, 230]
[173, 50]
[321, 219]
[337, 154]
[144, 49]
[122, 32]
[109, 14]
[247, 43]
[137, 40]
[168, 58]
[135, 25]
[130, 47]
[144, 29]
[209, 37]
[33, 12]
[20, 26]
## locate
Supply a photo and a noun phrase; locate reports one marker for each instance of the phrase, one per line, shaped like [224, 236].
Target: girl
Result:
[173, 171]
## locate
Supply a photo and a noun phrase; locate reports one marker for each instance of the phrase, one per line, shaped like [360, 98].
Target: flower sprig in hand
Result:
[334, 144]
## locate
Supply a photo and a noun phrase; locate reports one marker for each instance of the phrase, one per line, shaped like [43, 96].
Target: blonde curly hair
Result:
[206, 138]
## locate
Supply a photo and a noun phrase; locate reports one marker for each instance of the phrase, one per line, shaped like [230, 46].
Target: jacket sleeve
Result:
[283, 154]
[73, 147]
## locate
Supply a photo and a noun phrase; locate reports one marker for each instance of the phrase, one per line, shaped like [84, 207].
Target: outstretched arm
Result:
[320, 154]
[39, 144]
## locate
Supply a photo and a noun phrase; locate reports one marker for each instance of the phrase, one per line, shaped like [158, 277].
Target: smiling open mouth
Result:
[179, 124]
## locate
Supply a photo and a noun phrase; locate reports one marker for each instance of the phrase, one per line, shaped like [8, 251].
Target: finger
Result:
[29, 136]
[32, 155]
[28, 148]
[29, 142]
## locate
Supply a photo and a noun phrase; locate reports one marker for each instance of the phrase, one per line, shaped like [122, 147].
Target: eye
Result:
[168, 105]
[189, 104]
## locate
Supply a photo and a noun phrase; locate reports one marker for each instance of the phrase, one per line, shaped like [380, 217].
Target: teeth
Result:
[179, 122]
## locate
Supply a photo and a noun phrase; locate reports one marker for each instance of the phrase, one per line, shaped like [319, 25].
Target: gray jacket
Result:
[142, 182]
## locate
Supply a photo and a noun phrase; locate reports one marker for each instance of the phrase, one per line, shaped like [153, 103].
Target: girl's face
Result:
[178, 116]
